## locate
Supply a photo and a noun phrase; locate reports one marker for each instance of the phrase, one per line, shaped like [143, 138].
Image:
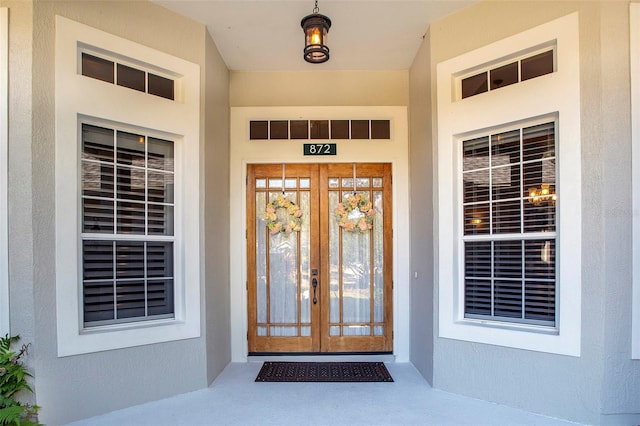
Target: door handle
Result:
[314, 284]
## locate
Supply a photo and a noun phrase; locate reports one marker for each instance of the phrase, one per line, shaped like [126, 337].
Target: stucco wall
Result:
[216, 211]
[319, 88]
[75, 387]
[603, 384]
[21, 236]
[621, 375]
[421, 207]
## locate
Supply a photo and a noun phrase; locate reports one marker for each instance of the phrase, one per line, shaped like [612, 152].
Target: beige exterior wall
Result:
[320, 88]
[421, 177]
[215, 163]
[71, 388]
[600, 386]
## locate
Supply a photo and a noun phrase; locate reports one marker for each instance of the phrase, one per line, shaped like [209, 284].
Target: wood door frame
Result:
[245, 151]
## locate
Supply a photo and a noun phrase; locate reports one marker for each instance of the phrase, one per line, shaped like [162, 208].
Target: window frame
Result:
[4, 184]
[516, 57]
[119, 237]
[490, 112]
[122, 107]
[634, 44]
[512, 236]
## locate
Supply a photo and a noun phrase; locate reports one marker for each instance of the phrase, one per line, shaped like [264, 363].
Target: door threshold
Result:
[324, 357]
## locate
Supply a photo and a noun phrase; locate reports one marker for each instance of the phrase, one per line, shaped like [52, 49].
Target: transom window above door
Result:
[319, 129]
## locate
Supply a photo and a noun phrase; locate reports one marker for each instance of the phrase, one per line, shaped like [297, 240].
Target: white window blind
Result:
[509, 203]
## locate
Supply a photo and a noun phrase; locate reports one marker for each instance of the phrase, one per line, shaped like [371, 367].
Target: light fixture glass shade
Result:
[316, 27]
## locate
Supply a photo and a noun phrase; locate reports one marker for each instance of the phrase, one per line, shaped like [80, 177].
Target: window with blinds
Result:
[127, 226]
[509, 238]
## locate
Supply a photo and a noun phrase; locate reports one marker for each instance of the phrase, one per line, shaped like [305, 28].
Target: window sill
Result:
[103, 338]
[528, 337]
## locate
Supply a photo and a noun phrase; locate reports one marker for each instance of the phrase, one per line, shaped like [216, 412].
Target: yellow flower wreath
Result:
[293, 221]
[355, 213]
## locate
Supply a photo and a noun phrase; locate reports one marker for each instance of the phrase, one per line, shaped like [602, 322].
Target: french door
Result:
[319, 258]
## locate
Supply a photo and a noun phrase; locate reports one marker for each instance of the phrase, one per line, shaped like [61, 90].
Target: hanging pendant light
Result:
[316, 27]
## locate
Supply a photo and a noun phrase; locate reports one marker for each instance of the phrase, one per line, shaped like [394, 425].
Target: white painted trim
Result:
[504, 107]
[4, 151]
[394, 151]
[180, 120]
[634, 43]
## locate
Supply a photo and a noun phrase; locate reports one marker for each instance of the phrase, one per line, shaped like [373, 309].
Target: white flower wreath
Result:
[293, 221]
[355, 213]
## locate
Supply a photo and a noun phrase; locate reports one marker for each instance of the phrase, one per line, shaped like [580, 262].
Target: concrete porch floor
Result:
[235, 399]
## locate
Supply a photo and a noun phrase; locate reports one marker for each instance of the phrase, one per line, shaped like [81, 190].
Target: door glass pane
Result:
[347, 182]
[305, 265]
[378, 259]
[283, 267]
[363, 182]
[261, 260]
[356, 330]
[356, 291]
[334, 263]
[275, 183]
[283, 278]
[290, 183]
[282, 331]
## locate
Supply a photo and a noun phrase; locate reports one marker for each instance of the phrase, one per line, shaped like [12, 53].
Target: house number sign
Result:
[319, 149]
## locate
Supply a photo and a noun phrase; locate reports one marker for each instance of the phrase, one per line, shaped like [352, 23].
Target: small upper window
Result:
[525, 68]
[127, 76]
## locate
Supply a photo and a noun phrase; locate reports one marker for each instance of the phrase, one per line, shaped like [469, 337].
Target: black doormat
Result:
[324, 372]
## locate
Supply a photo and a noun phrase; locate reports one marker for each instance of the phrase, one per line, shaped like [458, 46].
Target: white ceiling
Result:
[265, 35]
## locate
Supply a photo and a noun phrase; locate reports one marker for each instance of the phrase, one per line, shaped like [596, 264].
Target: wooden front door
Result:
[319, 258]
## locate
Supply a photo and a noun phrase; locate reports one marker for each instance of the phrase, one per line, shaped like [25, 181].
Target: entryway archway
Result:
[324, 284]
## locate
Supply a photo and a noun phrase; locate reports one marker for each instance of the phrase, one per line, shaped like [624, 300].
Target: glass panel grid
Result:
[356, 265]
[283, 264]
[123, 75]
[127, 188]
[126, 280]
[504, 75]
[509, 204]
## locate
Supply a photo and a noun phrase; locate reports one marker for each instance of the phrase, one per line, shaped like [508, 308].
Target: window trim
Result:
[4, 148]
[634, 43]
[496, 110]
[123, 107]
